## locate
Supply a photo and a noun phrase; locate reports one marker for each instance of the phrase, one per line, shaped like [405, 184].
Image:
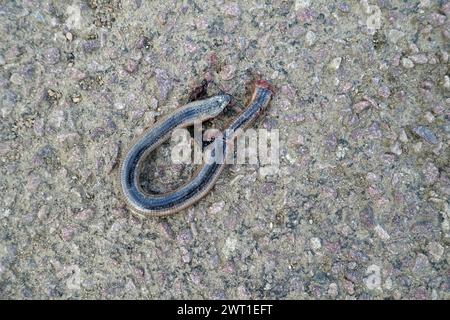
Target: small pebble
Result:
[84, 215]
[426, 134]
[228, 72]
[4, 148]
[424, 3]
[375, 131]
[131, 66]
[201, 23]
[232, 9]
[229, 247]
[143, 42]
[39, 127]
[422, 265]
[42, 213]
[90, 46]
[373, 280]
[349, 287]
[344, 7]
[382, 234]
[414, 48]
[407, 63]
[430, 173]
[330, 142]
[446, 8]
[444, 56]
[33, 182]
[419, 58]
[384, 92]
[417, 147]
[432, 59]
[310, 38]
[52, 56]
[13, 53]
[67, 233]
[333, 290]
[446, 82]
[300, 4]
[438, 110]
[76, 98]
[242, 293]
[315, 244]
[69, 36]
[435, 250]
[395, 35]
[402, 136]
[165, 83]
[429, 117]
[361, 106]
[446, 34]
[288, 91]
[216, 207]
[167, 230]
[186, 256]
[396, 149]
[437, 19]
[427, 85]
[335, 63]
[16, 79]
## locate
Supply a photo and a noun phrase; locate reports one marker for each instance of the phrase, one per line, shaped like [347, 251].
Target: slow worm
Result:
[146, 204]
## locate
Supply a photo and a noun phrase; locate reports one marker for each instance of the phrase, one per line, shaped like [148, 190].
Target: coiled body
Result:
[146, 204]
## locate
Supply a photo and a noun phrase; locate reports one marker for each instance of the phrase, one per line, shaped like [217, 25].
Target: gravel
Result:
[358, 207]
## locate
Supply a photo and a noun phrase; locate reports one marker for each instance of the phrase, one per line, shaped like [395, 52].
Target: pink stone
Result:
[131, 66]
[228, 72]
[4, 148]
[84, 215]
[361, 106]
[232, 9]
[67, 233]
[437, 19]
[288, 91]
[384, 92]
[419, 58]
[446, 9]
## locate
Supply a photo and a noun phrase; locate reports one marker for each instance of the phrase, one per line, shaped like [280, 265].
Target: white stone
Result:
[424, 3]
[435, 250]
[310, 38]
[216, 207]
[381, 233]
[373, 279]
[16, 79]
[73, 13]
[69, 36]
[335, 63]
[395, 35]
[429, 117]
[229, 247]
[333, 289]
[315, 244]
[396, 149]
[301, 4]
[388, 284]
[447, 82]
[407, 63]
[402, 136]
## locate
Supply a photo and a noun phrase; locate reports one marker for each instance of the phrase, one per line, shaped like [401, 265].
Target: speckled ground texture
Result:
[359, 208]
